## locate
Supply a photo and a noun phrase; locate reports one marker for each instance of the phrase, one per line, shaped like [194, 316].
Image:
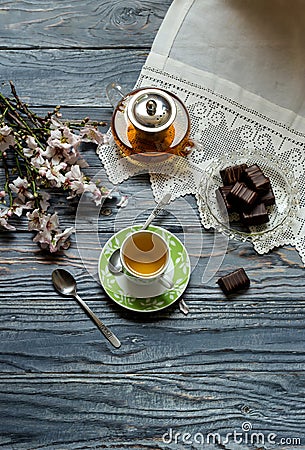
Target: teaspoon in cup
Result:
[65, 284]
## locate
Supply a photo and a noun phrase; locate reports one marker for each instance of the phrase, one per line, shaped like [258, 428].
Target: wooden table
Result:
[227, 363]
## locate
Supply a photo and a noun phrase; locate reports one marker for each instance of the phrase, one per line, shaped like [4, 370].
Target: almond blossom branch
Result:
[47, 156]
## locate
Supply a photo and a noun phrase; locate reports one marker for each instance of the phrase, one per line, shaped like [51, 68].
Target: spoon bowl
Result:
[114, 263]
[64, 282]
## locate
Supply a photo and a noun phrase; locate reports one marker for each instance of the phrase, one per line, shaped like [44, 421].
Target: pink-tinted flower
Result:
[46, 225]
[37, 161]
[49, 235]
[92, 134]
[34, 152]
[43, 237]
[76, 188]
[75, 181]
[40, 221]
[60, 240]
[43, 201]
[53, 172]
[19, 187]
[31, 142]
[2, 194]
[63, 138]
[32, 147]
[52, 223]
[62, 146]
[6, 138]
[98, 195]
[75, 173]
[4, 215]
[19, 206]
[34, 220]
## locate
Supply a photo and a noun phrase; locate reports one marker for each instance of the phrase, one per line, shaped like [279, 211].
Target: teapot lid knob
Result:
[151, 110]
[151, 107]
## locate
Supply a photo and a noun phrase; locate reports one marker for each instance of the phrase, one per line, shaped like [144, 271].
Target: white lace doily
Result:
[224, 118]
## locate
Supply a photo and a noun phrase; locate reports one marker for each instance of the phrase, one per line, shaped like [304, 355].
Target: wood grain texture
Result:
[140, 408]
[229, 361]
[69, 77]
[79, 24]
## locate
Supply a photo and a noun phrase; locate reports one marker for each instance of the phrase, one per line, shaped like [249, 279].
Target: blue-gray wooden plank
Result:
[229, 362]
[79, 24]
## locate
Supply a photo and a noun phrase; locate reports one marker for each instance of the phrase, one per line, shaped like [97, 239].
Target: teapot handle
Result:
[114, 93]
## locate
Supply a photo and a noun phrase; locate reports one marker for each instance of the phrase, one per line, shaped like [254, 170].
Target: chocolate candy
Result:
[231, 174]
[234, 281]
[242, 196]
[268, 198]
[249, 196]
[257, 216]
[221, 195]
[255, 178]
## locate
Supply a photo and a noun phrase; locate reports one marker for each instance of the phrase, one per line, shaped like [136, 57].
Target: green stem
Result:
[7, 181]
[20, 172]
[4, 113]
[15, 116]
[19, 150]
[24, 107]
[34, 187]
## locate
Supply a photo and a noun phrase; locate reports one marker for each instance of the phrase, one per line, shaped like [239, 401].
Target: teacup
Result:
[144, 256]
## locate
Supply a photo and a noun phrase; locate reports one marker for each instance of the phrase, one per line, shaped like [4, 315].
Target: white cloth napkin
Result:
[239, 67]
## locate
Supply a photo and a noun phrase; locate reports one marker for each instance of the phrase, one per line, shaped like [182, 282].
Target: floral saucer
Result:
[151, 297]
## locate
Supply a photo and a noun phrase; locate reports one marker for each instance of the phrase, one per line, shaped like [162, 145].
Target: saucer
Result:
[149, 297]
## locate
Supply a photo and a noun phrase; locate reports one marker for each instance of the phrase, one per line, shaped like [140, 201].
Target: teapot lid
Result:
[151, 110]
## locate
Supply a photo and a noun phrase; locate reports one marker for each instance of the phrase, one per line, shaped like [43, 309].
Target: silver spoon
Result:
[65, 284]
[114, 263]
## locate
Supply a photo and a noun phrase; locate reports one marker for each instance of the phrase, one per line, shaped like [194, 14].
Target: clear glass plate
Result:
[283, 183]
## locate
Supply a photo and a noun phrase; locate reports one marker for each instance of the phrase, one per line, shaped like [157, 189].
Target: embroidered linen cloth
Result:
[239, 67]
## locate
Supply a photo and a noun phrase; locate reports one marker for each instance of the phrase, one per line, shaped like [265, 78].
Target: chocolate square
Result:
[268, 198]
[254, 177]
[242, 197]
[231, 174]
[222, 194]
[234, 281]
[257, 216]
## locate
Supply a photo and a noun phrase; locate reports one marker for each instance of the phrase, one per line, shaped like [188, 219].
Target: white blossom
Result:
[6, 138]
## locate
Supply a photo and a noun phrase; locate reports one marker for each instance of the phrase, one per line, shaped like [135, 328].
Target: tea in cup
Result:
[144, 256]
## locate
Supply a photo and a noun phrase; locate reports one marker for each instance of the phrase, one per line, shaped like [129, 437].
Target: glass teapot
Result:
[149, 124]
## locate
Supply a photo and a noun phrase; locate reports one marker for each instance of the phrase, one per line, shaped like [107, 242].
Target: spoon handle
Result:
[166, 282]
[163, 202]
[102, 327]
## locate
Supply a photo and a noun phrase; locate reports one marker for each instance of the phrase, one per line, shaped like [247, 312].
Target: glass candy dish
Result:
[284, 186]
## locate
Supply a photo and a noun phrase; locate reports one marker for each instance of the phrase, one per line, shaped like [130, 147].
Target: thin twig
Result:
[23, 106]
[7, 181]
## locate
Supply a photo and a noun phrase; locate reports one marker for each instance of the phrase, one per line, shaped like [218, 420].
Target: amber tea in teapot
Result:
[150, 124]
